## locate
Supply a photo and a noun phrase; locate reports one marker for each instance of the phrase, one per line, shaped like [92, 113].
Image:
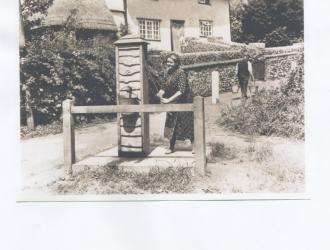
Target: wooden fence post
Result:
[199, 132]
[215, 87]
[68, 136]
[29, 111]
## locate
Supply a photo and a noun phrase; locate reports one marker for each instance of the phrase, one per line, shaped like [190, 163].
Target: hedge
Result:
[284, 49]
[194, 58]
[193, 45]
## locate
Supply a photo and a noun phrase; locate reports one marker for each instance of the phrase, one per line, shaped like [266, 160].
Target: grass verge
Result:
[274, 112]
[110, 180]
[56, 127]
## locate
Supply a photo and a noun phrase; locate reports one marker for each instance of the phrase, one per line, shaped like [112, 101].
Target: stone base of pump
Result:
[181, 158]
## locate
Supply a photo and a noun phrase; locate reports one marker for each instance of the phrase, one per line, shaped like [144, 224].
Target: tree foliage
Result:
[277, 37]
[33, 11]
[253, 21]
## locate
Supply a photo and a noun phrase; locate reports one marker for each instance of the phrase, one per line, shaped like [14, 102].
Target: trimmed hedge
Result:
[193, 58]
[156, 60]
[283, 50]
[192, 45]
[201, 57]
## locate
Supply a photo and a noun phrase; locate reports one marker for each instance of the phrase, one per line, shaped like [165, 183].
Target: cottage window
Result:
[149, 29]
[204, 2]
[206, 28]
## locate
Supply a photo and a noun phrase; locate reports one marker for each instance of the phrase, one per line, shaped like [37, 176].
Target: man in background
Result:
[244, 73]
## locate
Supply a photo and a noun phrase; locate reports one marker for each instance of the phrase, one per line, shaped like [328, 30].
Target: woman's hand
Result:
[165, 100]
[160, 94]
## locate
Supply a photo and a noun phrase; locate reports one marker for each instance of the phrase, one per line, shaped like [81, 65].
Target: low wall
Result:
[200, 78]
[280, 65]
[279, 61]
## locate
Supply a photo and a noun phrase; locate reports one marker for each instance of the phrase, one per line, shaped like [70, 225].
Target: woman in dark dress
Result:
[178, 125]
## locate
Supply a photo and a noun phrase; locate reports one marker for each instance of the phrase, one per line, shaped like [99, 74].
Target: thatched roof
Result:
[91, 14]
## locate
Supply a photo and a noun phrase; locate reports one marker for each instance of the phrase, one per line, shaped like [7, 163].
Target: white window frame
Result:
[205, 28]
[204, 2]
[149, 29]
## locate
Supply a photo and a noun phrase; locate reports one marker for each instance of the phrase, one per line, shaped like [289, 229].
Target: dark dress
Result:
[178, 125]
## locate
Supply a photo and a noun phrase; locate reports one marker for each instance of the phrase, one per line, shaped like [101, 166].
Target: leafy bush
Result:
[236, 11]
[279, 111]
[32, 12]
[236, 30]
[56, 67]
[41, 130]
[277, 37]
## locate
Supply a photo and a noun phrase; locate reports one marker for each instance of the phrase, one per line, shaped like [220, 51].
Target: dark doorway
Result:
[259, 70]
[177, 34]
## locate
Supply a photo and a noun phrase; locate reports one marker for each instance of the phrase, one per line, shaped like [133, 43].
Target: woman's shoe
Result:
[169, 151]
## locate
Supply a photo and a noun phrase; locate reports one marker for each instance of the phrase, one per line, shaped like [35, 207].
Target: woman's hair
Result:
[175, 58]
[244, 52]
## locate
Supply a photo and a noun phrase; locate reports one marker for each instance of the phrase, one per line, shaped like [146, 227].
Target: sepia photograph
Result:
[161, 99]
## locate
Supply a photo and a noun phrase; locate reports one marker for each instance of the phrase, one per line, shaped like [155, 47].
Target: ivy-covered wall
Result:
[279, 66]
[200, 80]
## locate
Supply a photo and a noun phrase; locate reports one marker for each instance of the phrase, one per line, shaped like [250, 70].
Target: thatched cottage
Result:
[92, 18]
[164, 23]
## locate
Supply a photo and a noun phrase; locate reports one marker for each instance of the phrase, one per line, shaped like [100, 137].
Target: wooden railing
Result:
[197, 107]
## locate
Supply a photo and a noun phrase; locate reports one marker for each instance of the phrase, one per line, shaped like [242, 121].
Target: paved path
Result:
[43, 156]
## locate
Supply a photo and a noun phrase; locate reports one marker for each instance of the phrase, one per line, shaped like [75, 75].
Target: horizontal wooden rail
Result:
[143, 108]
